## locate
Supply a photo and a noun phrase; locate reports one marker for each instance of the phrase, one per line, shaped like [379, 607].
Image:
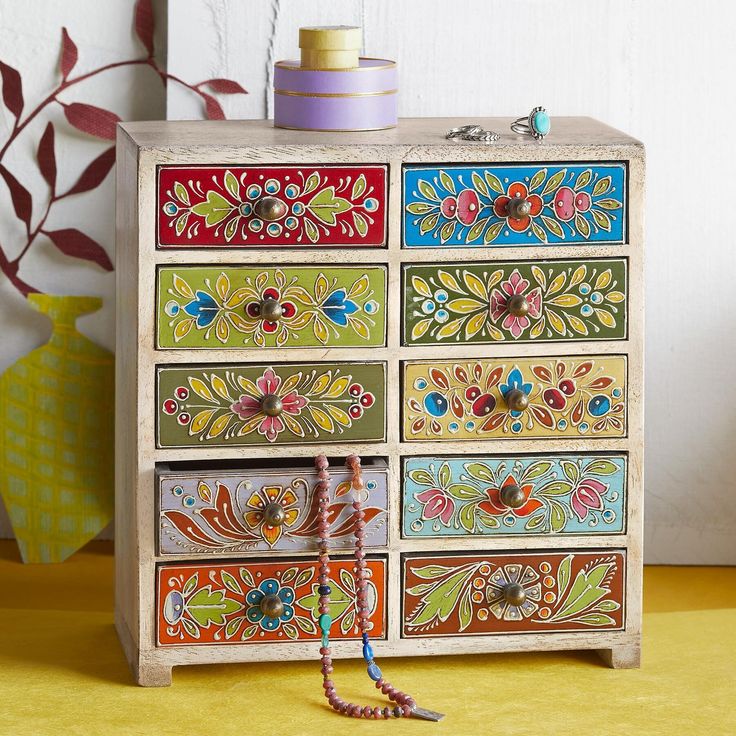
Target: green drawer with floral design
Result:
[243, 405]
[244, 307]
[539, 301]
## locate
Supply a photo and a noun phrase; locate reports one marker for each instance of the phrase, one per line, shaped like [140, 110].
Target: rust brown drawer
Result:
[512, 593]
[257, 602]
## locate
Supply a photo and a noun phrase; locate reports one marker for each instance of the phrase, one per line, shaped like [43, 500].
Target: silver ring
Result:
[472, 132]
[536, 124]
[463, 130]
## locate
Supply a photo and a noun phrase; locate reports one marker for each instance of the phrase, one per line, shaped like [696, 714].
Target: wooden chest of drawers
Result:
[282, 294]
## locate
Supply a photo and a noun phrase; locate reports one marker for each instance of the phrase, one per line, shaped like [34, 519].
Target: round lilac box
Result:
[364, 98]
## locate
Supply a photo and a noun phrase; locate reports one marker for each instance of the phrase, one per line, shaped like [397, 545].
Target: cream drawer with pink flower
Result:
[263, 508]
[498, 205]
[477, 496]
[515, 301]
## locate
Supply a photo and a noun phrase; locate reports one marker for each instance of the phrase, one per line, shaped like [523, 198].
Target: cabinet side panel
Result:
[126, 384]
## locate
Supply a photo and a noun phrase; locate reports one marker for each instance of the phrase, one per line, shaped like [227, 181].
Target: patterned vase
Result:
[56, 436]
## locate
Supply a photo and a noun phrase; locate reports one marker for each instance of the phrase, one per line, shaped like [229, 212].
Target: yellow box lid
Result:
[331, 38]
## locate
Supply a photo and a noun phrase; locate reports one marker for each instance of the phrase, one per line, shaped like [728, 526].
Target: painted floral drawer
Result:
[527, 397]
[514, 302]
[258, 602]
[513, 204]
[242, 405]
[264, 510]
[240, 307]
[491, 496]
[512, 593]
[274, 206]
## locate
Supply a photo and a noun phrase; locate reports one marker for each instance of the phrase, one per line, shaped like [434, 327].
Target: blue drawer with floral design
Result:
[536, 494]
[497, 205]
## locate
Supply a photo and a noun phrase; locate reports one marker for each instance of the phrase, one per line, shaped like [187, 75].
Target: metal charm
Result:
[472, 132]
[427, 715]
[536, 124]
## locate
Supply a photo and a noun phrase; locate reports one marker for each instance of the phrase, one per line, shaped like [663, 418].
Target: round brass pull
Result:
[512, 496]
[516, 400]
[270, 209]
[271, 605]
[518, 208]
[518, 305]
[271, 310]
[514, 594]
[271, 405]
[274, 514]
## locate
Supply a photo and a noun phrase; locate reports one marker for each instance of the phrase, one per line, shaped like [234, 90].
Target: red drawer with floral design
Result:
[275, 206]
[260, 602]
[513, 593]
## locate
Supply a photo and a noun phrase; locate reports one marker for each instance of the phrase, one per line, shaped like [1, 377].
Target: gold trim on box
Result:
[289, 93]
[335, 130]
[388, 65]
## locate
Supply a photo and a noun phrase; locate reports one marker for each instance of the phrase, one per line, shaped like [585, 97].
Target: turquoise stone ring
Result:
[537, 124]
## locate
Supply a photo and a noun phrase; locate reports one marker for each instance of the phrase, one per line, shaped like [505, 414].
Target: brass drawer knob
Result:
[518, 305]
[271, 405]
[274, 514]
[518, 208]
[516, 400]
[270, 209]
[272, 606]
[514, 594]
[512, 496]
[271, 310]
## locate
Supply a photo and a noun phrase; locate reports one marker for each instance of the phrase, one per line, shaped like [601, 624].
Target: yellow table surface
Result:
[62, 671]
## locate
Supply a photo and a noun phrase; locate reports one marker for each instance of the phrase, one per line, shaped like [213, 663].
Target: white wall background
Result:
[662, 70]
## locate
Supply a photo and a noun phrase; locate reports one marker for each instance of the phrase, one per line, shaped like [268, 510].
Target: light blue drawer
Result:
[460, 206]
[463, 496]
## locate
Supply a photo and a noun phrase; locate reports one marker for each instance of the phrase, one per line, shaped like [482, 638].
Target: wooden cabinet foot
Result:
[153, 675]
[622, 657]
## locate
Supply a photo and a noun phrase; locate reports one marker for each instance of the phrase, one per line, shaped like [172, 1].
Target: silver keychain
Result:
[472, 132]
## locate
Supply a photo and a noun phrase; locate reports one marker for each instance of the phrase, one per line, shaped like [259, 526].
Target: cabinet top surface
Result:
[567, 132]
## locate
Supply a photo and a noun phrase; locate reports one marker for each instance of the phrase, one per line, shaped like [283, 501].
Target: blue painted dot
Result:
[420, 384]
[291, 223]
[596, 297]
[274, 229]
[370, 204]
[435, 404]
[608, 516]
[599, 405]
[272, 186]
[470, 426]
[255, 225]
[188, 501]
[253, 191]
[583, 428]
[291, 191]
[171, 308]
[170, 208]
[516, 427]
[442, 315]
[453, 426]
[177, 490]
[371, 307]
[297, 208]
[584, 288]
[616, 393]
[586, 310]
[428, 306]
[562, 424]
[441, 296]
[371, 485]
[245, 209]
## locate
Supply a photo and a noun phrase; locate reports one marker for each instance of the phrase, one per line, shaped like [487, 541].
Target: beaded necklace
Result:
[405, 705]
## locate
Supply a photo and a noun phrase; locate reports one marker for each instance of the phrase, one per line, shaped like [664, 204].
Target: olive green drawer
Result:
[242, 405]
[291, 307]
[524, 301]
